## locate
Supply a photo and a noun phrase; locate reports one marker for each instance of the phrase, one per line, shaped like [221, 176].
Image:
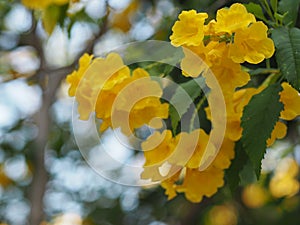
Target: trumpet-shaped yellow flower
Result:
[278, 132]
[74, 78]
[105, 85]
[290, 98]
[251, 44]
[167, 158]
[158, 148]
[229, 20]
[170, 186]
[197, 184]
[189, 29]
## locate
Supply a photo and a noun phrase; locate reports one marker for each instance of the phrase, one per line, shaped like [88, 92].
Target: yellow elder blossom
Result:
[74, 78]
[139, 102]
[229, 20]
[290, 98]
[182, 155]
[284, 183]
[97, 84]
[251, 44]
[254, 196]
[189, 29]
[279, 131]
[42, 4]
[197, 184]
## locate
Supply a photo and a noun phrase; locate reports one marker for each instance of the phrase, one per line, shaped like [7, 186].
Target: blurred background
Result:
[43, 176]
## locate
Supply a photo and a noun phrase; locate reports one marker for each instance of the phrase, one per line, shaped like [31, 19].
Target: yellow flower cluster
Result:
[191, 163]
[120, 99]
[246, 39]
[221, 45]
[168, 158]
[288, 96]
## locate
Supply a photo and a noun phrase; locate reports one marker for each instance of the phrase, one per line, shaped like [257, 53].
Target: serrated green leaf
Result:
[287, 42]
[290, 6]
[256, 10]
[274, 4]
[258, 120]
[183, 97]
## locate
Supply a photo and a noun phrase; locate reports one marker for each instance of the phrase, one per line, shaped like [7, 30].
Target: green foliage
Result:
[53, 15]
[287, 42]
[256, 10]
[274, 5]
[258, 120]
[156, 69]
[237, 164]
[291, 7]
[183, 97]
[102, 202]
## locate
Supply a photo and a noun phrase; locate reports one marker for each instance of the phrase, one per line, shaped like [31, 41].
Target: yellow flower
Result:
[158, 148]
[251, 44]
[74, 78]
[167, 159]
[170, 186]
[100, 86]
[278, 132]
[122, 20]
[193, 63]
[92, 79]
[225, 214]
[214, 56]
[209, 29]
[235, 103]
[42, 4]
[196, 148]
[189, 29]
[284, 183]
[138, 102]
[232, 19]
[225, 154]
[254, 196]
[197, 184]
[290, 98]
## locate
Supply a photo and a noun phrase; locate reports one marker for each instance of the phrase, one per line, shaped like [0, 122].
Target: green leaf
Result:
[247, 174]
[274, 4]
[232, 173]
[53, 15]
[157, 69]
[258, 120]
[290, 6]
[256, 10]
[183, 97]
[287, 42]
